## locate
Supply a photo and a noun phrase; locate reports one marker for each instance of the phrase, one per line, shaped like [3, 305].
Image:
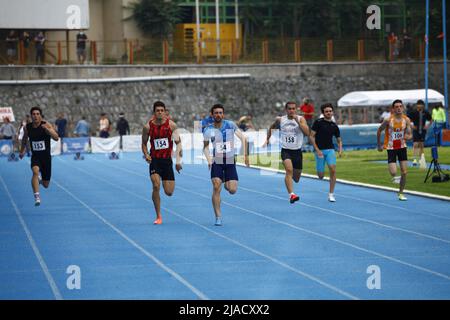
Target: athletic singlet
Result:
[394, 136]
[222, 138]
[160, 140]
[39, 140]
[290, 134]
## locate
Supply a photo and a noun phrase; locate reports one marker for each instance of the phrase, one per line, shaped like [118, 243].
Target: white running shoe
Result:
[37, 200]
[331, 198]
[396, 179]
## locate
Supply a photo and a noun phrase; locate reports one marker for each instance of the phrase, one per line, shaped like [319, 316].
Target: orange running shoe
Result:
[294, 198]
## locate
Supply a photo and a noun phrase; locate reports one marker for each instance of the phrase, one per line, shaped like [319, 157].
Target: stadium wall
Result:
[262, 94]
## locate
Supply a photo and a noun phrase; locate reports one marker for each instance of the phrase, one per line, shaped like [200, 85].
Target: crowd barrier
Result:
[362, 136]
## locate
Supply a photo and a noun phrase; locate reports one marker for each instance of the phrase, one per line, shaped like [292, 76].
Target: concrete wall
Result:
[261, 95]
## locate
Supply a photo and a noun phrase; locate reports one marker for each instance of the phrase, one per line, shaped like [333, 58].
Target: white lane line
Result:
[330, 211]
[312, 232]
[259, 253]
[36, 251]
[186, 283]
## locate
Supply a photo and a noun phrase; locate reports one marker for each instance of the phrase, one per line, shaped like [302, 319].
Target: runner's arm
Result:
[303, 126]
[145, 137]
[408, 131]
[380, 129]
[51, 130]
[177, 139]
[244, 141]
[312, 141]
[339, 141]
[206, 152]
[272, 127]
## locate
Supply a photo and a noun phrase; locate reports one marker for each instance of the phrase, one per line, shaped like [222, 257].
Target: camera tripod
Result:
[436, 168]
[435, 164]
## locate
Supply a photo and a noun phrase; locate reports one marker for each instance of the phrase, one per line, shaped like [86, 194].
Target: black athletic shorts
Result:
[163, 167]
[419, 137]
[296, 157]
[399, 154]
[45, 166]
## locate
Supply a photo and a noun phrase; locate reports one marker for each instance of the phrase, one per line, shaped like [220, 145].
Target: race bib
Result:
[223, 147]
[397, 135]
[290, 139]
[161, 143]
[38, 145]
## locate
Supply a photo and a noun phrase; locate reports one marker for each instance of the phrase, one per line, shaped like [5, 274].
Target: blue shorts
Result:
[224, 172]
[329, 156]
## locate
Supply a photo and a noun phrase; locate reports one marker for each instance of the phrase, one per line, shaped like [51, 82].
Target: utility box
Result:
[185, 39]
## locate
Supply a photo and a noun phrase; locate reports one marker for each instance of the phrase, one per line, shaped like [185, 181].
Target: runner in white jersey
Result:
[292, 128]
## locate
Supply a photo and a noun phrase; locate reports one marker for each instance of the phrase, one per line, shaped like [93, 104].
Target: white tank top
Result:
[290, 134]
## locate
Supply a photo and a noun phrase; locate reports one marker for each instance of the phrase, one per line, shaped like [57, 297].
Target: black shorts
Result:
[419, 137]
[224, 171]
[296, 157]
[45, 165]
[163, 167]
[399, 154]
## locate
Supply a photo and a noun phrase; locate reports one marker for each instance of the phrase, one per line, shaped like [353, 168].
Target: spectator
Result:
[393, 46]
[410, 110]
[122, 127]
[81, 47]
[61, 124]
[26, 39]
[82, 128]
[104, 126]
[420, 119]
[11, 47]
[39, 41]
[307, 110]
[245, 123]
[21, 132]
[386, 114]
[406, 44]
[439, 119]
[207, 121]
[7, 130]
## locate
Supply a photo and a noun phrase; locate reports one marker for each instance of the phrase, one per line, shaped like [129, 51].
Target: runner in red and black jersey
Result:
[162, 133]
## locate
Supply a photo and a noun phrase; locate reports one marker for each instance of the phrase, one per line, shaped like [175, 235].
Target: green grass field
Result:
[358, 166]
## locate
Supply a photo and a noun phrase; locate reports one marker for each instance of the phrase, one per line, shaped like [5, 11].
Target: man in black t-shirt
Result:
[322, 132]
[420, 119]
[11, 45]
[81, 46]
[122, 127]
[39, 133]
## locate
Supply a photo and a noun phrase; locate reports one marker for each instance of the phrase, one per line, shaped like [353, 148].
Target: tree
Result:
[156, 17]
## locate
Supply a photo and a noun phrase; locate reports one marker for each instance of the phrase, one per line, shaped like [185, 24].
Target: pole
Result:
[427, 31]
[197, 21]
[67, 47]
[236, 12]
[217, 30]
[444, 29]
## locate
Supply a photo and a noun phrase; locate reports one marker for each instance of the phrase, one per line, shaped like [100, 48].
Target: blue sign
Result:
[362, 136]
[6, 147]
[74, 145]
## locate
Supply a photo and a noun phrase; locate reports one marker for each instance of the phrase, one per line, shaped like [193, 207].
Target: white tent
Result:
[385, 98]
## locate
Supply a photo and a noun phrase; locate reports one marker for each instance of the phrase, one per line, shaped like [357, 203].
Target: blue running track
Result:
[97, 215]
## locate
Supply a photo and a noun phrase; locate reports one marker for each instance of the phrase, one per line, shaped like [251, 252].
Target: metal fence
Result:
[286, 50]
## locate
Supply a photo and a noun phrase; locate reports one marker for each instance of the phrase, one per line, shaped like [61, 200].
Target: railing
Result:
[284, 50]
